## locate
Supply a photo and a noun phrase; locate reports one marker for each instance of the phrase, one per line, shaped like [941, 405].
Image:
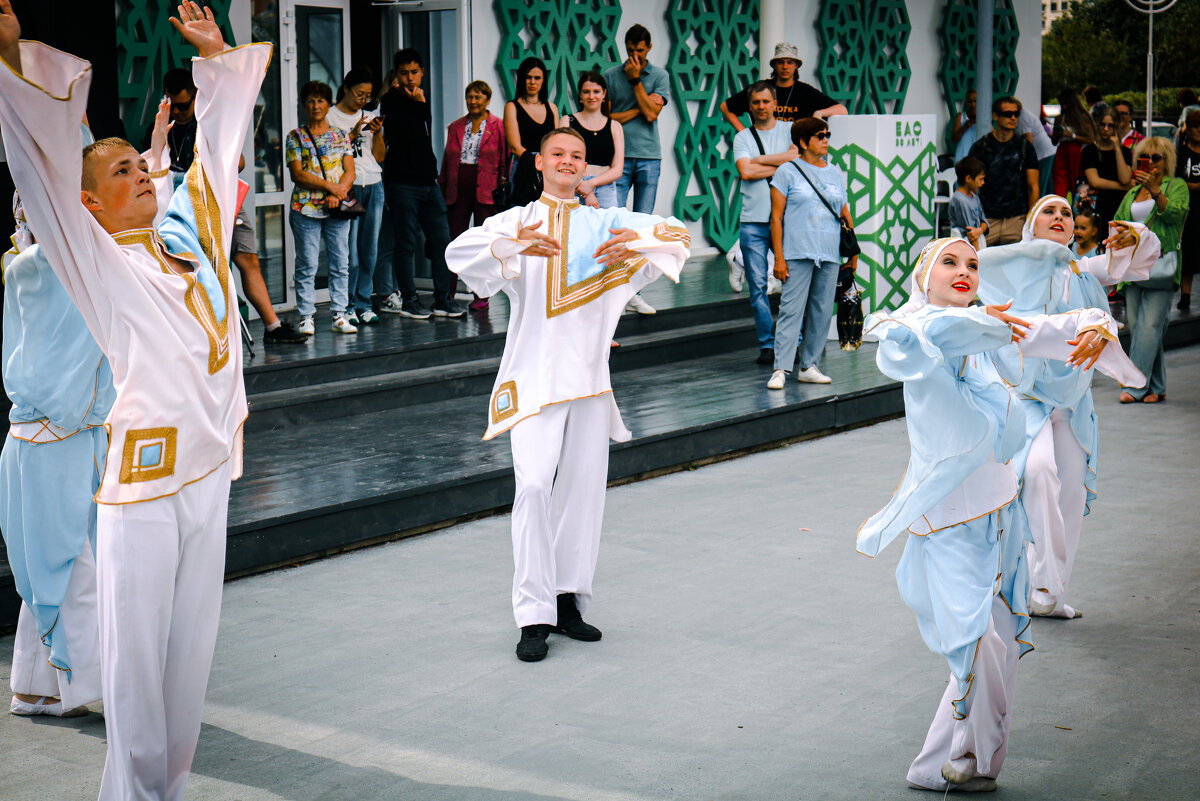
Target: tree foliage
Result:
[1103, 42]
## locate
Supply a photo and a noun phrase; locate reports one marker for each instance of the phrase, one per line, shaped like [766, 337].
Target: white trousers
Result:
[978, 743]
[160, 566]
[32, 673]
[560, 457]
[1054, 497]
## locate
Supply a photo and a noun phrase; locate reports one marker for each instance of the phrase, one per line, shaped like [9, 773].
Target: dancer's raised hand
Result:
[199, 27]
[1088, 347]
[1019, 326]
[542, 244]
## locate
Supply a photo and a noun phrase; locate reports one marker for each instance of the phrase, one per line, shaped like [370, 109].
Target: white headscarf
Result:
[1027, 229]
[918, 296]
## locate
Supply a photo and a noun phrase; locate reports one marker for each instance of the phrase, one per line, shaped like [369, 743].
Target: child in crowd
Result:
[1087, 234]
[966, 211]
[963, 571]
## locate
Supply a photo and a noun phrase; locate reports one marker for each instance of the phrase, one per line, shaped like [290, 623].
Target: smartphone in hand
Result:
[1144, 164]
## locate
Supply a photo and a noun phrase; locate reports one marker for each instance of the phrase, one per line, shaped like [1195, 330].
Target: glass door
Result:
[316, 39]
[437, 30]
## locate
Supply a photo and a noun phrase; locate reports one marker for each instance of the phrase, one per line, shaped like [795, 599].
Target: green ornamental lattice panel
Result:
[148, 46]
[864, 54]
[958, 51]
[571, 36]
[713, 55]
[901, 217]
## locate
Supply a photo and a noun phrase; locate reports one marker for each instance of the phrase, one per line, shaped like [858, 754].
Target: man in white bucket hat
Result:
[794, 99]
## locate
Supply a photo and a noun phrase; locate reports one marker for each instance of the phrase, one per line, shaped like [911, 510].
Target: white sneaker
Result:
[368, 318]
[636, 304]
[737, 273]
[351, 316]
[811, 375]
[342, 326]
[306, 327]
[774, 285]
[392, 304]
[777, 379]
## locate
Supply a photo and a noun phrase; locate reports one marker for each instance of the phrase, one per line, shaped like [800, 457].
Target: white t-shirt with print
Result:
[367, 170]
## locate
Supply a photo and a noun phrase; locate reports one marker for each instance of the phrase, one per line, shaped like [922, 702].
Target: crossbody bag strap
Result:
[762, 151]
[836, 216]
[316, 153]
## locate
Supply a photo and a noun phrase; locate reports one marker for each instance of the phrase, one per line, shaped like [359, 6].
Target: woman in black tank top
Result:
[524, 132]
[603, 136]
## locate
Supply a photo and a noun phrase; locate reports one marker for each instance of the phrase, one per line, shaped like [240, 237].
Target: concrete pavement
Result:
[748, 652]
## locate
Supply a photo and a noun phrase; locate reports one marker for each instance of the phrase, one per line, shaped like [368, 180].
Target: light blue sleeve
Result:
[912, 347]
[743, 146]
[783, 178]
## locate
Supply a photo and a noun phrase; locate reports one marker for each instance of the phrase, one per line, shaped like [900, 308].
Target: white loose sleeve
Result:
[40, 112]
[1048, 337]
[1132, 263]
[487, 257]
[664, 243]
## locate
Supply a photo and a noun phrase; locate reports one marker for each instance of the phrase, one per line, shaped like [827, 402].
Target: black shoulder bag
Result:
[848, 246]
[349, 208]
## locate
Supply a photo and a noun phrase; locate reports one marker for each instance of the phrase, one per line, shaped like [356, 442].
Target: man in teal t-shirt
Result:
[638, 91]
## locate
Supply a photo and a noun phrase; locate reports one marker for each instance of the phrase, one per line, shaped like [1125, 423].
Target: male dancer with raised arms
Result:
[568, 271]
[158, 298]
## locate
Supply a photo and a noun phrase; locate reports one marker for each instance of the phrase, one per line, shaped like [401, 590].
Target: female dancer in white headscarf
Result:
[1058, 464]
[963, 571]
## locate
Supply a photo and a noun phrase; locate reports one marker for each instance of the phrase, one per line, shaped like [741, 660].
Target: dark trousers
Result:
[413, 206]
[467, 204]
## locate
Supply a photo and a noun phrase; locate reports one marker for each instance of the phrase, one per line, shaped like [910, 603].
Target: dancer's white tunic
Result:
[963, 571]
[175, 429]
[1059, 462]
[553, 387]
[61, 388]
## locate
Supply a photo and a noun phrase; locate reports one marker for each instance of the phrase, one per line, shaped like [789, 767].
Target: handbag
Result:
[848, 243]
[849, 311]
[502, 194]
[1162, 274]
[349, 208]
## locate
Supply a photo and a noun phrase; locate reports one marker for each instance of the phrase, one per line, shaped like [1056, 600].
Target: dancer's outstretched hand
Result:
[542, 245]
[1122, 236]
[199, 27]
[10, 35]
[1088, 347]
[162, 124]
[1019, 326]
[614, 250]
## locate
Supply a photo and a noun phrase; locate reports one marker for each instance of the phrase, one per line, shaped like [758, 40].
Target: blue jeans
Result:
[756, 243]
[642, 175]
[424, 206]
[1147, 311]
[308, 233]
[364, 244]
[606, 195]
[806, 302]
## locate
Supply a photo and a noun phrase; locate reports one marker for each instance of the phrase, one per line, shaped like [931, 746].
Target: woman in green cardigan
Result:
[1160, 201]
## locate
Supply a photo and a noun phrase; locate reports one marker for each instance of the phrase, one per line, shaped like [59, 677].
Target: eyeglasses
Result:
[1106, 125]
[1155, 158]
[823, 135]
[1008, 114]
[363, 96]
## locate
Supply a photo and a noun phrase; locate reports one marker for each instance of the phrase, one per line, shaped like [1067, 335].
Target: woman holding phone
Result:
[1160, 202]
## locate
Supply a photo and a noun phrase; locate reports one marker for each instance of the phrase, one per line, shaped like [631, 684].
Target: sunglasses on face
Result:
[1155, 158]
[1008, 114]
[1107, 125]
[823, 135]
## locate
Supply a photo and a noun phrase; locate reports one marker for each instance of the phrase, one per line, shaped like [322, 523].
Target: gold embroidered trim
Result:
[137, 440]
[506, 390]
[672, 233]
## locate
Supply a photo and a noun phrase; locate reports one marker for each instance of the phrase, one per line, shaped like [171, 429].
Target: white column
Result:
[770, 31]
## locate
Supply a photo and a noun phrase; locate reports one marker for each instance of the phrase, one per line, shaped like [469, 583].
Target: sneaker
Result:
[766, 356]
[413, 308]
[636, 304]
[368, 317]
[306, 327]
[533, 647]
[447, 308]
[811, 375]
[341, 325]
[285, 334]
[737, 273]
[777, 379]
[392, 304]
[479, 304]
[570, 622]
[351, 317]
